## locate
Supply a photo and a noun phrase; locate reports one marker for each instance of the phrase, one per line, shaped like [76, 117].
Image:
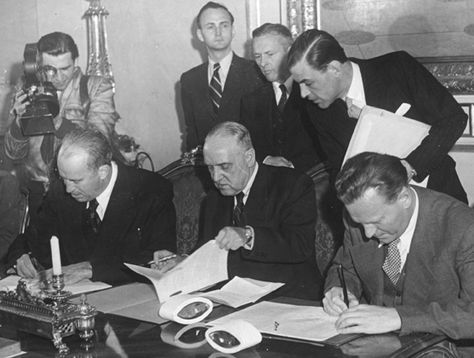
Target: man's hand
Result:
[19, 106]
[231, 238]
[368, 319]
[277, 161]
[353, 110]
[333, 301]
[25, 268]
[72, 274]
[164, 260]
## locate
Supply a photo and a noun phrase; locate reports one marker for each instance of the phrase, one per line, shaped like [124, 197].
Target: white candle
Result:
[55, 256]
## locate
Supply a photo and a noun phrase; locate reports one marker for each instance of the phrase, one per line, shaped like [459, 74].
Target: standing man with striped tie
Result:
[211, 92]
[407, 256]
[264, 215]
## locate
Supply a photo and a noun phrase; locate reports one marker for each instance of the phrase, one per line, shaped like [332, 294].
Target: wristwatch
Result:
[248, 234]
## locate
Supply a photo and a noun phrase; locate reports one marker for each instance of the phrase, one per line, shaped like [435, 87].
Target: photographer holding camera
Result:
[84, 101]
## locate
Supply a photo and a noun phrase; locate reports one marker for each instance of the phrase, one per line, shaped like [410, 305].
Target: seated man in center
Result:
[264, 215]
[104, 214]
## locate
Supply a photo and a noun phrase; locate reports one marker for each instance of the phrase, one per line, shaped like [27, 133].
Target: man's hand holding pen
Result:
[333, 301]
[164, 260]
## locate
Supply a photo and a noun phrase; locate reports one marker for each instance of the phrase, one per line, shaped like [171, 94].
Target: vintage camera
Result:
[44, 104]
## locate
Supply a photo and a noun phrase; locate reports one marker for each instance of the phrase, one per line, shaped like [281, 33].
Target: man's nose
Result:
[370, 230]
[304, 90]
[218, 31]
[69, 187]
[216, 175]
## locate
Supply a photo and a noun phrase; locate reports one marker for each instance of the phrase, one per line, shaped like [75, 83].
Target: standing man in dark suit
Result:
[275, 114]
[407, 255]
[104, 214]
[264, 215]
[328, 78]
[211, 92]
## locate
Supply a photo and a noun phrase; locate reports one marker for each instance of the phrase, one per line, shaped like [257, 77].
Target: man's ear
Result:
[335, 67]
[199, 35]
[405, 198]
[250, 157]
[104, 171]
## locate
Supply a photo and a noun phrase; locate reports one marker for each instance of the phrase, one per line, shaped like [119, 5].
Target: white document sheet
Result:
[381, 131]
[205, 267]
[83, 286]
[240, 291]
[280, 319]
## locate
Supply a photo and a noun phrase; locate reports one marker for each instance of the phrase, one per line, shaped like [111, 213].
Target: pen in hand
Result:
[163, 259]
[343, 284]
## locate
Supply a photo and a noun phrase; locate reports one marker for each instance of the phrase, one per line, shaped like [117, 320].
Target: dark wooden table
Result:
[118, 336]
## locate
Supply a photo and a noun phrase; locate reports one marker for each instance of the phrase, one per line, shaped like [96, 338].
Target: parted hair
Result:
[57, 43]
[90, 140]
[212, 5]
[382, 172]
[232, 129]
[318, 48]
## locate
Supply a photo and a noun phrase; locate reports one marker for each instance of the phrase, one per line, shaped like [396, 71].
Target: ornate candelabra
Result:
[97, 50]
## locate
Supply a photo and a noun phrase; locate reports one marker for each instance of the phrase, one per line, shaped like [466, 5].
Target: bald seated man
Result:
[104, 214]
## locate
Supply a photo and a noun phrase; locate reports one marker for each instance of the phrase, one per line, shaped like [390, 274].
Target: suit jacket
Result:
[288, 134]
[10, 211]
[438, 289]
[281, 208]
[199, 116]
[389, 81]
[140, 218]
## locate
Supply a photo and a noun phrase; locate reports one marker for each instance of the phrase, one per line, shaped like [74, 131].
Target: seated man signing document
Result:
[104, 214]
[407, 258]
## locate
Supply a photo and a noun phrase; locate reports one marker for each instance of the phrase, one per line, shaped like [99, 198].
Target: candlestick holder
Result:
[57, 293]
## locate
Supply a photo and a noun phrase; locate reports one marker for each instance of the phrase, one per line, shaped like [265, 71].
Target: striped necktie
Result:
[215, 88]
[393, 262]
[283, 98]
[238, 215]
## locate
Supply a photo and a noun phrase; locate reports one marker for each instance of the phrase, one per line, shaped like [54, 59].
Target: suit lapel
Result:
[368, 258]
[258, 196]
[232, 83]
[122, 204]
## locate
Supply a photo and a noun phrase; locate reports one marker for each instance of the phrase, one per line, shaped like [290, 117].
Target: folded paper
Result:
[186, 309]
[188, 337]
[233, 336]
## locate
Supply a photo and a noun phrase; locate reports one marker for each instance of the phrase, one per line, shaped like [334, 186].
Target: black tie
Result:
[283, 98]
[238, 215]
[215, 88]
[92, 217]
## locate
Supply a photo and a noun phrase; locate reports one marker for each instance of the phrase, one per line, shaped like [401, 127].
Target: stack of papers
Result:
[300, 322]
[240, 291]
[204, 268]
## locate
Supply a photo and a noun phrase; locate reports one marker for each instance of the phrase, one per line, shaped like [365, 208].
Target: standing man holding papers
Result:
[103, 213]
[264, 215]
[331, 80]
[407, 257]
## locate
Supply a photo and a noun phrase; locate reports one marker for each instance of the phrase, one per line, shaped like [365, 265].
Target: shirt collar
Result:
[104, 197]
[246, 190]
[356, 89]
[277, 90]
[224, 70]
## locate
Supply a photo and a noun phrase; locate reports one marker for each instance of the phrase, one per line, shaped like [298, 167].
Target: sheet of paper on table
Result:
[240, 291]
[280, 319]
[204, 268]
[83, 286]
[381, 131]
